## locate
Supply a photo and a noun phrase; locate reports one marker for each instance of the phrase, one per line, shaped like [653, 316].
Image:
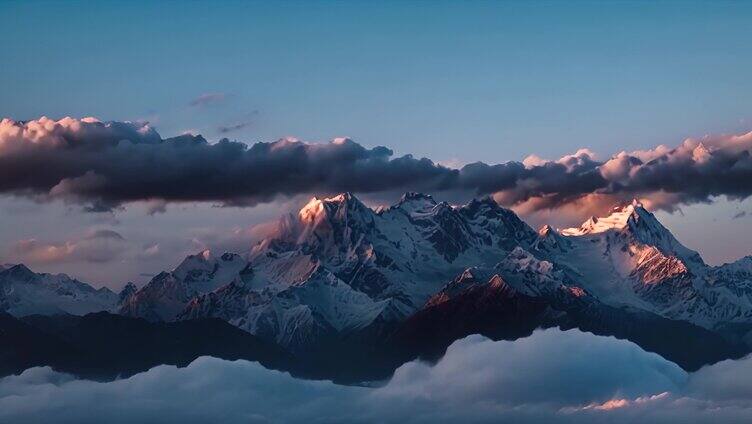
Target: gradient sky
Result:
[455, 81]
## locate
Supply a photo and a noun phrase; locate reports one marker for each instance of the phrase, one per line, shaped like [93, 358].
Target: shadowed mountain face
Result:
[104, 346]
[497, 311]
[352, 292]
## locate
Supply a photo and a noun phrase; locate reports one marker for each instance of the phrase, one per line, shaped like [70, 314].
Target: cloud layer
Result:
[552, 376]
[97, 246]
[106, 164]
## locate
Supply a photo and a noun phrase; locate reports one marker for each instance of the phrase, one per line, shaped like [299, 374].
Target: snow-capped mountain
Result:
[168, 293]
[338, 281]
[404, 252]
[522, 293]
[630, 258]
[24, 292]
[339, 269]
[633, 221]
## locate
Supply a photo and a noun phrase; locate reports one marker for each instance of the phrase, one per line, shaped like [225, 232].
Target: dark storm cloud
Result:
[103, 165]
[106, 164]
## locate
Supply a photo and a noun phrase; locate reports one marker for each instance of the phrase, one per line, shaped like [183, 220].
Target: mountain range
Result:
[352, 292]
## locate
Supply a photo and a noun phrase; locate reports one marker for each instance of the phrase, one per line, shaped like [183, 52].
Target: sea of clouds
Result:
[552, 376]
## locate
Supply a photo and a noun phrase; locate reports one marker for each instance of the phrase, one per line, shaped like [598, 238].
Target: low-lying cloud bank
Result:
[106, 164]
[552, 376]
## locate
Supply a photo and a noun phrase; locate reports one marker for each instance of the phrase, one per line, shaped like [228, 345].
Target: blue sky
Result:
[454, 81]
[449, 80]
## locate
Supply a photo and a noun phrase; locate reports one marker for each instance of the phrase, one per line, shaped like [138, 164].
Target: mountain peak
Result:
[128, 290]
[415, 202]
[19, 271]
[345, 197]
[414, 195]
[619, 218]
[311, 210]
[643, 227]
[129, 287]
[550, 240]
[545, 230]
[317, 209]
[191, 262]
[483, 201]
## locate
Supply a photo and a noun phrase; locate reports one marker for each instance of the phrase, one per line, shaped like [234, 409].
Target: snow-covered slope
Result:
[24, 292]
[630, 258]
[338, 268]
[518, 272]
[168, 293]
[641, 227]
[398, 257]
[338, 277]
[522, 293]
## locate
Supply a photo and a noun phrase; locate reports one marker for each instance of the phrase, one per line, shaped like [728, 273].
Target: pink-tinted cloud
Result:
[96, 246]
[106, 164]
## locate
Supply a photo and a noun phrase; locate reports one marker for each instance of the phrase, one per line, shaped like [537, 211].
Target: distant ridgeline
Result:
[341, 291]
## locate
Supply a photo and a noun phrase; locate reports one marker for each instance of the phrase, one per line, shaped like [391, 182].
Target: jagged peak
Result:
[742, 264]
[642, 227]
[126, 292]
[619, 218]
[747, 260]
[487, 201]
[204, 257]
[412, 201]
[486, 205]
[317, 208]
[199, 260]
[22, 271]
[545, 230]
[550, 240]
[18, 270]
[311, 210]
[128, 287]
[414, 195]
[345, 197]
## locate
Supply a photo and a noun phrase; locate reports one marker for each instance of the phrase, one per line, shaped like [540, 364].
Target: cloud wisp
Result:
[207, 99]
[107, 164]
[552, 376]
[97, 246]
